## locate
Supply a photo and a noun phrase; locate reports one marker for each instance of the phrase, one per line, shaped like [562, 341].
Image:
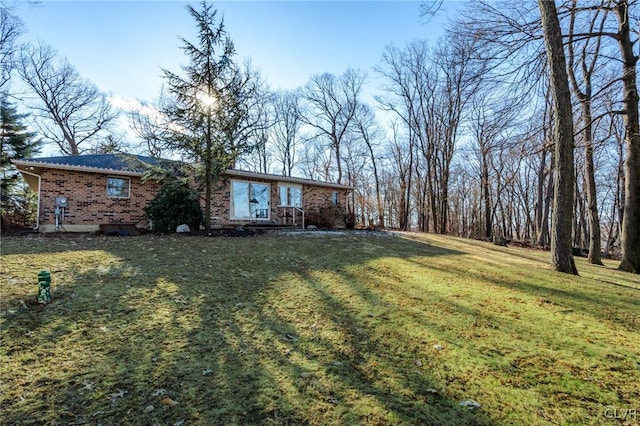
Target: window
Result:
[250, 200]
[335, 198]
[118, 187]
[290, 195]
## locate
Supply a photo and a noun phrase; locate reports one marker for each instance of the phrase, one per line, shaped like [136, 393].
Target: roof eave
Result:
[229, 172]
[40, 164]
[247, 174]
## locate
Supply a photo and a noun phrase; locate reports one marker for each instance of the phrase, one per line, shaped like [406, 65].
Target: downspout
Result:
[38, 209]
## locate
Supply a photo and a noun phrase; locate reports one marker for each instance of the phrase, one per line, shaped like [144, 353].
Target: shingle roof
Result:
[111, 162]
[129, 164]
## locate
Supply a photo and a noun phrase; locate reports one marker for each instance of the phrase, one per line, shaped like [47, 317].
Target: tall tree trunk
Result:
[486, 195]
[592, 200]
[540, 214]
[561, 217]
[545, 237]
[376, 178]
[444, 201]
[208, 175]
[336, 149]
[630, 261]
[584, 97]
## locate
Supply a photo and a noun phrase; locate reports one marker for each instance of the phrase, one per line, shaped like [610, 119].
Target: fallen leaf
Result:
[168, 402]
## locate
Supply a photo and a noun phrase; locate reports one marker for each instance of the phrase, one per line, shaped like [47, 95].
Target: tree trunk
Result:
[630, 261]
[561, 217]
[336, 149]
[541, 214]
[486, 195]
[592, 199]
[584, 97]
[545, 238]
[444, 201]
[208, 178]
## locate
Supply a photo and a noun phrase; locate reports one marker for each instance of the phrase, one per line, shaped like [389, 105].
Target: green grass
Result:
[312, 329]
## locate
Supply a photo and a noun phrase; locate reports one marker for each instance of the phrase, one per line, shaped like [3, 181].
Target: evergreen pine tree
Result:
[210, 102]
[17, 142]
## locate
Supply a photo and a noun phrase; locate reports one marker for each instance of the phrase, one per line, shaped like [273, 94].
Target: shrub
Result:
[325, 217]
[350, 220]
[174, 205]
[18, 210]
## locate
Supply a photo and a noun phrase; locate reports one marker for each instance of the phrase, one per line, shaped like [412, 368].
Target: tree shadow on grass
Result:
[342, 363]
[204, 325]
[594, 299]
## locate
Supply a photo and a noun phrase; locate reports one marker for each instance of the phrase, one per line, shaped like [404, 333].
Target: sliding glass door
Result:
[250, 200]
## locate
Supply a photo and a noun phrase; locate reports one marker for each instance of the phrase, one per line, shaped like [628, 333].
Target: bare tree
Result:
[630, 261]
[73, 112]
[402, 149]
[428, 90]
[367, 128]
[544, 187]
[10, 30]
[626, 38]
[409, 94]
[461, 78]
[286, 130]
[561, 219]
[263, 118]
[151, 126]
[332, 104]
[316, 160]
[488, 120]
[585, 64]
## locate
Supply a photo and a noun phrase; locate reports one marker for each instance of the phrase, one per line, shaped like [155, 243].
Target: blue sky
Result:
[122, 45]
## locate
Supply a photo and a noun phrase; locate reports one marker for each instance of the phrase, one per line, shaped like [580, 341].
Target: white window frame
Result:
[231, 200]
[287, 186]
[128, 187]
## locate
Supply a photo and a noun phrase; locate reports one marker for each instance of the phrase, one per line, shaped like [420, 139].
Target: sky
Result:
[122, 46]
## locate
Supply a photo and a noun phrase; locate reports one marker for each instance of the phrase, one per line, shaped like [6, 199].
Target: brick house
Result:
[80, 193]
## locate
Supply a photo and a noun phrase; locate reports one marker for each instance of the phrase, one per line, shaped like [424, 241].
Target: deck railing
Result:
[292, 212]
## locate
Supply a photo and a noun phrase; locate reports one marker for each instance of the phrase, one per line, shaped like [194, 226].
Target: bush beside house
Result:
[175, 204]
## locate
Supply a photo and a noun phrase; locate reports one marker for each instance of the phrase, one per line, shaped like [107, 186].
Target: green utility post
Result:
[44, 287]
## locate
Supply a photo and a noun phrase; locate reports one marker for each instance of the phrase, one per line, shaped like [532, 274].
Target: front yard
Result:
[318, 328]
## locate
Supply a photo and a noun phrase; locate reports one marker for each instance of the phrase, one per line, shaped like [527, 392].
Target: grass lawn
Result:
[317, 329]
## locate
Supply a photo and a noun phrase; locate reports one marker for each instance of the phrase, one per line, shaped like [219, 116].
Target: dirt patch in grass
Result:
[324, 328]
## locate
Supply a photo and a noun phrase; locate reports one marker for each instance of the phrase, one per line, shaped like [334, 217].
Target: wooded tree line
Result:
[465, 136]
[459, 137]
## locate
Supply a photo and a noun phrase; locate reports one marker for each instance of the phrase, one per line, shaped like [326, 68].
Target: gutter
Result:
[38, 210]
[289, 179]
